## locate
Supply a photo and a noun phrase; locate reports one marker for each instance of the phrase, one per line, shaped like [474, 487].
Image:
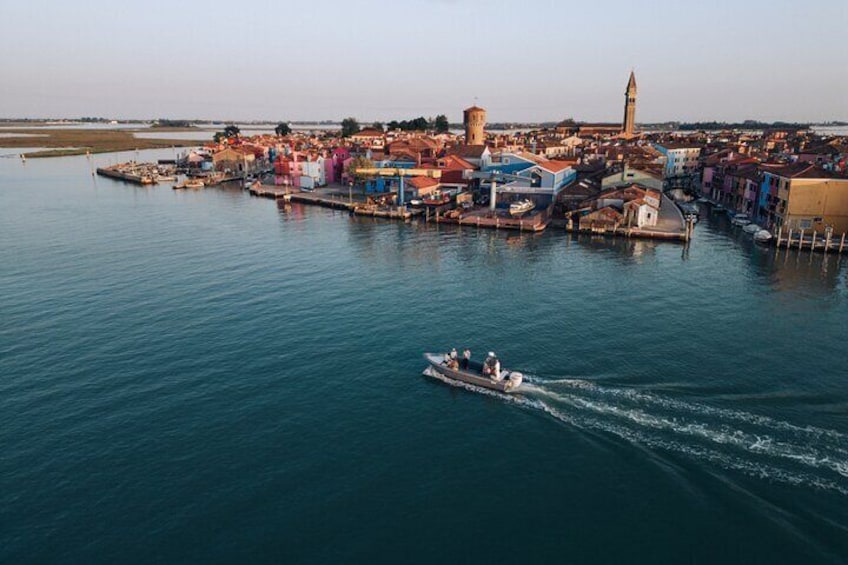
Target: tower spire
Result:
[629, 125]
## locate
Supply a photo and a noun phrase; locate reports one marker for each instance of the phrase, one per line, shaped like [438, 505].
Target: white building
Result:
[681, 158]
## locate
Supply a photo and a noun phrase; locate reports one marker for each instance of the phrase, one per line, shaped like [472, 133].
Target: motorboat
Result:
[763, 236]
[751, 228]
[521, 207]
[436, 199]
[504, 381]
[190, 183]
[740, 220]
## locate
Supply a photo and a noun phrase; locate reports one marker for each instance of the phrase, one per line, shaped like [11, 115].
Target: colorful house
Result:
[803, 196]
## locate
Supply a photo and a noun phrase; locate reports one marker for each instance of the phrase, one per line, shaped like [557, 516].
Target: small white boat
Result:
[521, 207]
[762, 236]
[505, 381]
[740, 220]
[751, 228]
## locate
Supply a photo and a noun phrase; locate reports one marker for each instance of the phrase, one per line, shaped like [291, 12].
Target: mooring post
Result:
[842, 243]
[813, 242]
[779, 234]
[789, 239]
[801, 240]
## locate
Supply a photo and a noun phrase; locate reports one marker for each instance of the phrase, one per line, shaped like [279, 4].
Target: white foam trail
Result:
[661, 432]
[672, 404]
[819, 456]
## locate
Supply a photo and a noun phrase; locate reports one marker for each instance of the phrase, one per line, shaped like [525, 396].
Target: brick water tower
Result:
[474, 119]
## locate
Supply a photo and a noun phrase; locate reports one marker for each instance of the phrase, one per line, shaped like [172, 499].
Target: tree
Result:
[357, 164]
[419, 124]
[282, 129]
[377, 125]
[230, 131]
[349, 127]
[441, 124]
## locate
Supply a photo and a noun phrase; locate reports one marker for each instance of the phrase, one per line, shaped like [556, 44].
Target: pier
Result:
[477, 217]
[811, 241]
[138, 173]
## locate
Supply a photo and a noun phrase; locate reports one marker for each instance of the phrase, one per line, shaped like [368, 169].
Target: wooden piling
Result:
[842, 243]
[801, 240]
[789, 239]
[813, 242]
[779, 235]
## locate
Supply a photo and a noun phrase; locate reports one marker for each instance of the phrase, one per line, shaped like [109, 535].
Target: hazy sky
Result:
[327, 59]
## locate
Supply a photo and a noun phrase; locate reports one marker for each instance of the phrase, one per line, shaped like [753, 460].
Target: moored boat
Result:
[762, 236]
[751, 228]
[521, 207]
[436, 199]
[504, 381]
[190, 183]
[740, 220]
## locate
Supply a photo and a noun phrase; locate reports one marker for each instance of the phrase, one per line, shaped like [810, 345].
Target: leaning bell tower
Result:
[629, 125]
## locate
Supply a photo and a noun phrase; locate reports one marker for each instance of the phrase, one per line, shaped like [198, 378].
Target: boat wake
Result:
[756, 445]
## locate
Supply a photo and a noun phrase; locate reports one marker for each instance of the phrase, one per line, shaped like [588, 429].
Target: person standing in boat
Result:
[453, 361]
[466, 358]
[488, 364]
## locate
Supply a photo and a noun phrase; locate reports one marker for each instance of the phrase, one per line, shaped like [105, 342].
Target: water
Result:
[203, 377]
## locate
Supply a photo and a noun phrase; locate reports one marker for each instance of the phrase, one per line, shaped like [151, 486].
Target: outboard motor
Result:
[515, 379]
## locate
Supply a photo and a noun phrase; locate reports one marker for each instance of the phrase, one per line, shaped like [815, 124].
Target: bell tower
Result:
[629, 126]
[474, 119]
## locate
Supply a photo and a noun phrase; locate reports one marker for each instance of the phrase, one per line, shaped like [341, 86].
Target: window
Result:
[805, 224]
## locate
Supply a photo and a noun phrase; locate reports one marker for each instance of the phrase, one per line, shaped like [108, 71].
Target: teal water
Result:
[204, 377]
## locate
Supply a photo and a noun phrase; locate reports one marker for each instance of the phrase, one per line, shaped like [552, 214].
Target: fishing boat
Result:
[504, 381]
[521, 207]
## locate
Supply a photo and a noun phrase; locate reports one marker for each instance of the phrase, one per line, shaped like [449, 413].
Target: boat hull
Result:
[437, 362]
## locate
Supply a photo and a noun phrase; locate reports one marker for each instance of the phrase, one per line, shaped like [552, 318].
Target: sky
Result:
[529, 60]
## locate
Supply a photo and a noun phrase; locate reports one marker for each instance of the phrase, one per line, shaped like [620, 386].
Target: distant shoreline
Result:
[65, 142]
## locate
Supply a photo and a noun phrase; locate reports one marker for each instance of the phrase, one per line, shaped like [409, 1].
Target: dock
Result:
[138, 173]
[128, 173]
[811, 241]
[476, 217]
[494, 220]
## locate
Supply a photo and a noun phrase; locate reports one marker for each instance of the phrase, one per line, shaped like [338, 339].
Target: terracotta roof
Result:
[368, 132]
[455, 162]
[469, 151]
[555, 166]
[474, 109]
[805, 171]
[821, 150]
[422, 182]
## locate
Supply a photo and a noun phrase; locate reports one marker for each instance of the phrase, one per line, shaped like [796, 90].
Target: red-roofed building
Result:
[421, 187]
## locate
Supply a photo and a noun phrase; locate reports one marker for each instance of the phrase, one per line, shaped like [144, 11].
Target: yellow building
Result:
[810, 198]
